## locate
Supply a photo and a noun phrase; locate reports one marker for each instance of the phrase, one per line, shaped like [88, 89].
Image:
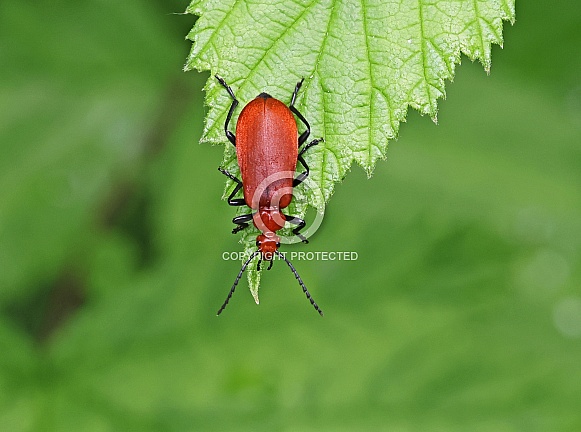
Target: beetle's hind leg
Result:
[311, 144]
[307, 132]
[303, 137]
[231, 137]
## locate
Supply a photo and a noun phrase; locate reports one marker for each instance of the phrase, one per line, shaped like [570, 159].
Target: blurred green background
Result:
[462, 313]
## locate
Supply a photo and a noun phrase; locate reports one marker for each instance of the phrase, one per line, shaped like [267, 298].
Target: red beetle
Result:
[267, 147]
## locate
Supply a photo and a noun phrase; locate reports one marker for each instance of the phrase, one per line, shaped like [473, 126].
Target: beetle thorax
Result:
[269, 219]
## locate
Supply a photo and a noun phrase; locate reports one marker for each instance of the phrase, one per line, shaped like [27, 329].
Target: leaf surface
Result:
[365, 62]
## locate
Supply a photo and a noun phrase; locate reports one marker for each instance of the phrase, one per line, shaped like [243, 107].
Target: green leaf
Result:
[364, 64]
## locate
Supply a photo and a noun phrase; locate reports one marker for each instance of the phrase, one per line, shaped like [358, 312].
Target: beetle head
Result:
[268, 243]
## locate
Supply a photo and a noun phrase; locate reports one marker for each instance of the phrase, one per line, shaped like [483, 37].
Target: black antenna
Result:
[305, 290]
[237, 280]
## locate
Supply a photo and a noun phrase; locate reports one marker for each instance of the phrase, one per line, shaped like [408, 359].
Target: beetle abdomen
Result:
[267, 150]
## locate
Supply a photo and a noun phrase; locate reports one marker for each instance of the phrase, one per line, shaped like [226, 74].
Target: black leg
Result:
[301, 177]
[260, 262]
[300, 225]
[231, 200]
[242, 222]
[311, 144]
[229, 134]
[306, 133]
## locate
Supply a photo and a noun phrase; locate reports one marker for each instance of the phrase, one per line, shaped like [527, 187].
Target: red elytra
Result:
[266, 144]
[267, 148]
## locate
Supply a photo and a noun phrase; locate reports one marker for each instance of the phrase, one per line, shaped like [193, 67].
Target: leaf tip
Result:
[368, 171]
[487, 65]
[256, 299]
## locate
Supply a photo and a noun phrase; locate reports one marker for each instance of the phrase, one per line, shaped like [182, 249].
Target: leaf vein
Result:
[254, 68]
[220, 25]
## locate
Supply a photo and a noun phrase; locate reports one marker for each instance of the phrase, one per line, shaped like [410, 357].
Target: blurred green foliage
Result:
[463, 311]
